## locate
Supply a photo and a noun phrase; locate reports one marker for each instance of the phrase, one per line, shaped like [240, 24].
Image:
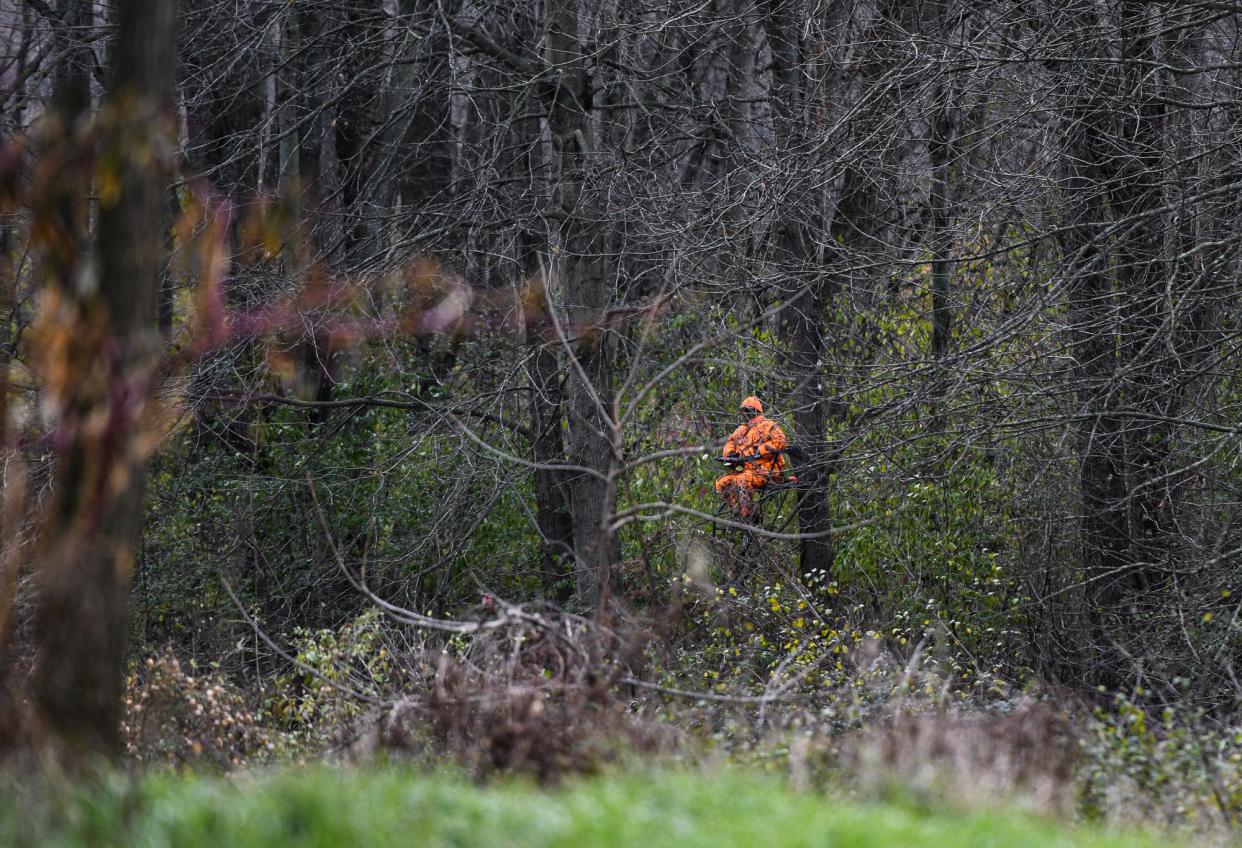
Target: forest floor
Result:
[325, 807]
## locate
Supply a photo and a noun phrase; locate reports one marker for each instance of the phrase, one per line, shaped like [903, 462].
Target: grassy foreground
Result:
[327, 808]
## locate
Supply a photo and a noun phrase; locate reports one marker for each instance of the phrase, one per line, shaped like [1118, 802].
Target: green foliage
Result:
[231, 494]
[753, 631]
[315, 700]
[326, 808]
[936, 556]
[1176, 765]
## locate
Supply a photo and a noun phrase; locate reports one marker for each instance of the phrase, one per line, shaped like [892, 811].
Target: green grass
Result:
[326, 808]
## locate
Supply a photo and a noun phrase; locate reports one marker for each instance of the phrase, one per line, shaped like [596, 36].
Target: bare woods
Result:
[438, 308]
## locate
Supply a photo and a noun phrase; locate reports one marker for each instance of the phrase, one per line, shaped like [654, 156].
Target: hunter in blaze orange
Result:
[758, 444]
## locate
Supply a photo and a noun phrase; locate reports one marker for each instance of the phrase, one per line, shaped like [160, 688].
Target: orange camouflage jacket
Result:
[763, 438]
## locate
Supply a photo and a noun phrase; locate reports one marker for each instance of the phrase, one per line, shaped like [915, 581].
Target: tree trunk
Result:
[90, 533]
[1118, 323]
[1136, 194]
[577, 262]
[1104, 533]
[940, 147]
[12, 477]
[808, 353]
[552, 514]
[805, 317]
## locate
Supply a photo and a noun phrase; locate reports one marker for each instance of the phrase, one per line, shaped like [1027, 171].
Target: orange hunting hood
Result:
[754, 403]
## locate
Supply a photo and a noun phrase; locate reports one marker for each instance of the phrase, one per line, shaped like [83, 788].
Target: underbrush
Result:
[804, 687]
[768, 677]
[326, 808]
[534, 692]
[1174, 767]
[175, 718]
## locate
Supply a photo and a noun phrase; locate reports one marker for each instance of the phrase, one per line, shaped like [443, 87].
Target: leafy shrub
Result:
[939, 554]
[1177, 766]
[174, 718]
[751, 636]
[317, 701]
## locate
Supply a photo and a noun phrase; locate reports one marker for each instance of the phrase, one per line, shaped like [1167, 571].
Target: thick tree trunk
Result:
[90, 534]
[943, 130]
[556, 529]
[1092, 316]
[808, 351]
[590, 446]
[1136, 194]
[1105, 535]
[12, 478]
[288, 142]
[1117, 322]
[576, 259]
[805, 317]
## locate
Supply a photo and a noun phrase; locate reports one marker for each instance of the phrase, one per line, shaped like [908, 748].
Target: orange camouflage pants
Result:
[737, 489]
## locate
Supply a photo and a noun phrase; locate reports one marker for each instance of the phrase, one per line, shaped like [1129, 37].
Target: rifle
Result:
[735, 462]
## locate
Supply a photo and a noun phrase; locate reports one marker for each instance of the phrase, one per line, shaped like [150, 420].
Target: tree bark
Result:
[1136, 194]
[552, 514]
[1104, 533]
[940, 148]
[1117, 317]
[576, 259]
[90, 533]
[808, 351]
[805, 317]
